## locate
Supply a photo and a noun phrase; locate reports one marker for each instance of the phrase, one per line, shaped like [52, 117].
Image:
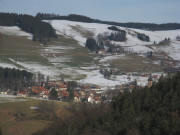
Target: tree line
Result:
[118, 35]
[103, 40]
[71, 17]
[41, 31]
[81, 18]
[14, 79]
[143, 37]
[144, 111]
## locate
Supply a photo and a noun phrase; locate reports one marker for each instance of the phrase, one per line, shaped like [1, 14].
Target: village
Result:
[71, 91]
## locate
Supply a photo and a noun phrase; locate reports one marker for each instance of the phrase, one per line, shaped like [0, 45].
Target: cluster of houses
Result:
[43, 89]
[87, 93]
[90, 94]
[82, 93]
[131, 84]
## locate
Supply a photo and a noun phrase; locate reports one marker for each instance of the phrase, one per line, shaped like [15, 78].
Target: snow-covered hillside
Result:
[15, 31]
[76, 29]
[66, 28]
[67, 58]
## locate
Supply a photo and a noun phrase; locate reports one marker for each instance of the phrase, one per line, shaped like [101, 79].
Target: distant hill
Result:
[81, 18]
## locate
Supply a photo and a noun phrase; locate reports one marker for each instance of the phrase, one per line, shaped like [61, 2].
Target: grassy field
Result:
[79, 55]
[19, 48]
[84, 32]
[16, 118]
[135, 64]
[24, 50]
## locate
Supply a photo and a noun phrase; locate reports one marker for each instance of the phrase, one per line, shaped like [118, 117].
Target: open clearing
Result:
[18, 118]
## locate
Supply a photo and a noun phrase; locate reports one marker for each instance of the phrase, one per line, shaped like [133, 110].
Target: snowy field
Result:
[172, 50]
[14, 30]
[94, 77]
[9, 98]
[64, 27]
[6, 65]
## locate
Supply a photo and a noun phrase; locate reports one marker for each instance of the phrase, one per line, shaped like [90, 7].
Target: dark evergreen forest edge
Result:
[41, 31]
[14, 79]
[81, 18]
[144, 111]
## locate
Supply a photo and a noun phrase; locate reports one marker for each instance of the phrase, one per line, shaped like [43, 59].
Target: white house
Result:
[90, 99]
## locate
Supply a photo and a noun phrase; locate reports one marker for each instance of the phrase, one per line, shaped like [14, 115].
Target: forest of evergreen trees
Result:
[144, 111]
[71, 17]
[41, 31]
[103, 40]
[145, 26]
[119, 36]
[14, 79]
[92, 45]
[143, 37]
[81, 18]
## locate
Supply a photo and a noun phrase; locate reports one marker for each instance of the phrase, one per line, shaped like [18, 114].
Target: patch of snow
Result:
[55, 49]
[95, 77]
[33, 67]
[60, 59]
[160, 35]
[14, 30]
[9, 98]
[113, 57]
[90, 67]
[64, 27]
[173, 50]
[7, 65]
[157, 62]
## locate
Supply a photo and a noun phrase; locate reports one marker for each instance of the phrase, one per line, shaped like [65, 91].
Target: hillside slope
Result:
[67, 56]
[81, 31]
